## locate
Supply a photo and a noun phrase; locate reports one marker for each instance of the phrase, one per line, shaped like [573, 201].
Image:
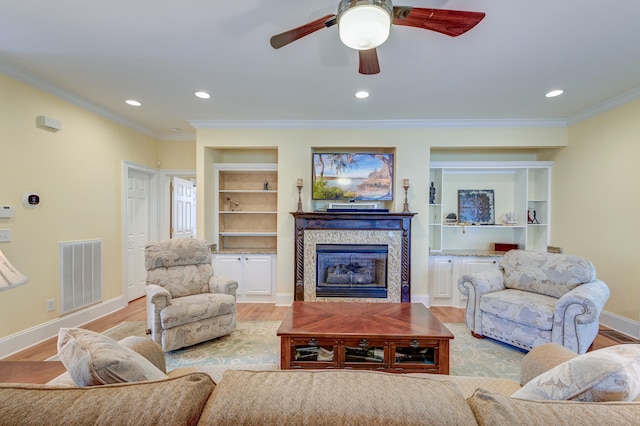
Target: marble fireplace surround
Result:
[390, 229]
[393, 241]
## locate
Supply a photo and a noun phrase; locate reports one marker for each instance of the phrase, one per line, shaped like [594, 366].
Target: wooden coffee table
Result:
[392, 337]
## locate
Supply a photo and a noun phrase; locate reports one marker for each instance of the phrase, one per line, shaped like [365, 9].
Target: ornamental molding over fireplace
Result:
[392, 230]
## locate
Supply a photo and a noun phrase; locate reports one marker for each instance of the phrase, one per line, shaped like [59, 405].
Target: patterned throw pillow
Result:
[609, 374]
[95, 359]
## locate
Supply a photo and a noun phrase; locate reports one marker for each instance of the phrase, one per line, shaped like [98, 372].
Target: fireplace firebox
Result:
[351, 270]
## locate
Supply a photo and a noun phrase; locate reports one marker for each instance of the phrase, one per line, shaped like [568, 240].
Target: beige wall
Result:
[595, 198]
[78, 174]
[413, 147]
[177, 155]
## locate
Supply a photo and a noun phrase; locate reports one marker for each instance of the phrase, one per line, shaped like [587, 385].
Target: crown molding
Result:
[66, 95]
[381, 124]
[606, 106]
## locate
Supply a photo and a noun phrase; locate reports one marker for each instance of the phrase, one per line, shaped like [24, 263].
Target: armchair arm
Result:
[481, 282]
[577, 314]
[158, 298]
[474, 286]
[221, 284]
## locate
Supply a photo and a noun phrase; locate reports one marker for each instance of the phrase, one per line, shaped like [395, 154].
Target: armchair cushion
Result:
[609, 374]
[541, 273]
[522, 307]
[182, 281]
[94, 359]
[188, 309]
[177, 252]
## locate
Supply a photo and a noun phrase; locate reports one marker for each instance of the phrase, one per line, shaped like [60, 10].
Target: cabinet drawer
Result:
[314, 353]
[364, 353]
[415, 354]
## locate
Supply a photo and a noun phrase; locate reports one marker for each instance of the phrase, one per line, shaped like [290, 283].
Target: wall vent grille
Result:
[80, 274]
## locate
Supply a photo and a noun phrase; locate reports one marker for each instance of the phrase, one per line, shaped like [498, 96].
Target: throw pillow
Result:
[491, 408]
[609, 374]
[94, 359]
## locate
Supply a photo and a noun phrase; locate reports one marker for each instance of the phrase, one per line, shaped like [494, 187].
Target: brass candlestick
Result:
[406, 200]
[299, 199]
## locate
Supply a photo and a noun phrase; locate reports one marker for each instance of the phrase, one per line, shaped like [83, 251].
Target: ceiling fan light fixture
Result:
[364, 24]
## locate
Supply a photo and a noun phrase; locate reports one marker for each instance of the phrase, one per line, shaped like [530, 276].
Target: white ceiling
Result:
[98, 53]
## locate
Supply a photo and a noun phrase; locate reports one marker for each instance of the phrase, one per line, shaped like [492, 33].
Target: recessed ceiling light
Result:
[362, 94]
[554, 93]
[202, 95]
[133, 102]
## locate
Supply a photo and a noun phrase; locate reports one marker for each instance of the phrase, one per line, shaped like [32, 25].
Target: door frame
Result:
[164, 201]
[128, 166]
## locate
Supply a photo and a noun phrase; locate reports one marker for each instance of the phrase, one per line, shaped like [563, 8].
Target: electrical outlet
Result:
[51, 305]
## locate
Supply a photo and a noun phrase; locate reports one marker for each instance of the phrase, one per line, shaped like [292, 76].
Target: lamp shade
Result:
[364, 26]
[9, 276]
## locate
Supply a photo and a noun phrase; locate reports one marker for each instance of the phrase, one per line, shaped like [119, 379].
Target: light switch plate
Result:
[5, 235]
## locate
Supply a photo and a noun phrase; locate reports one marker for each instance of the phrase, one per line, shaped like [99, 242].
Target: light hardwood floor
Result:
[135, 311]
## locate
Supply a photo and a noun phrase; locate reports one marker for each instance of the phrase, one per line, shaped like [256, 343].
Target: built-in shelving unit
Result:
[246, 206]
[520, 187]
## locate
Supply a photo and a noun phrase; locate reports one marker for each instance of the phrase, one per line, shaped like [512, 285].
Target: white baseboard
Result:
[284, 299]
[34, 335]
[421, 298]
[621, 324]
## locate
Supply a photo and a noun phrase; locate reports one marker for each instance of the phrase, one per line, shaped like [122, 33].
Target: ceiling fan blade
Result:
[450, 22]
[369, 62]
[282, 39]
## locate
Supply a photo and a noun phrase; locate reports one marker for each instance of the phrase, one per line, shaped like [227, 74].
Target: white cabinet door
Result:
[257, 274]
[471, 265]
[229, 266]
[440, 279]
[254, 273]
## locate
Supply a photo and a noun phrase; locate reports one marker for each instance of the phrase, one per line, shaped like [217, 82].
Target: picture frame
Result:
[476, 206]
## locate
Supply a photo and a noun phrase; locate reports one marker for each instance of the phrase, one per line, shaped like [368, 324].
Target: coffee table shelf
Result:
[393, 337]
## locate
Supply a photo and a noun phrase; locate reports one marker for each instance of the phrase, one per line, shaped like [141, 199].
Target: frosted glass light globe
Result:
[364, 27]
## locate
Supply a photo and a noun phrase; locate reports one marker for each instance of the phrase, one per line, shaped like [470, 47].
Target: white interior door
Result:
[138, 230]
[183, 208]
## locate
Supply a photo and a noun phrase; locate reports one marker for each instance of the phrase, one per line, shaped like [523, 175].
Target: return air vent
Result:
[80, 274]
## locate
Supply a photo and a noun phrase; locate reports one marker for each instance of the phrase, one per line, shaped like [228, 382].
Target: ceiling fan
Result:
[365, 25]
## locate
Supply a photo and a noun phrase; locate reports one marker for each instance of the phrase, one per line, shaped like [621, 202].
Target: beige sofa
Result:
[217, 395]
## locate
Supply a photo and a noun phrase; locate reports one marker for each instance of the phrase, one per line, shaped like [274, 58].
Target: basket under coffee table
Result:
[392, 337]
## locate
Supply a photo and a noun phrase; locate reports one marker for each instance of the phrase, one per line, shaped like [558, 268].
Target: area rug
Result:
[256, 342]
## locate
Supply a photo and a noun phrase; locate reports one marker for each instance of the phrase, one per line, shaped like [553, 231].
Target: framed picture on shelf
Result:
[476, 206]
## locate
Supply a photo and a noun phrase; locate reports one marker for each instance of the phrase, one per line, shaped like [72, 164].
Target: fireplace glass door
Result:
[351, 270]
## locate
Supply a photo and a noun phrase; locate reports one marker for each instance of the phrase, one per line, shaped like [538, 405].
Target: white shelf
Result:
[252, 226]
[246, 212]
[247, 234]
[519, 186]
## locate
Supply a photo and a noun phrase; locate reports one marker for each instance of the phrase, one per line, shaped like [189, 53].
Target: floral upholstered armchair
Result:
[535, 298]
[186, 303]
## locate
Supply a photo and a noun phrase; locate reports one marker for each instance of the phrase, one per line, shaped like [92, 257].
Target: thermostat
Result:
[31, 199]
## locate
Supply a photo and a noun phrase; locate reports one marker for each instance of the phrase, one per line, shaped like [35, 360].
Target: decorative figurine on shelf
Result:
[532, 216]
[509, 218]
[432, 193]
[233, 205]
[266, 185]
[452, 218]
